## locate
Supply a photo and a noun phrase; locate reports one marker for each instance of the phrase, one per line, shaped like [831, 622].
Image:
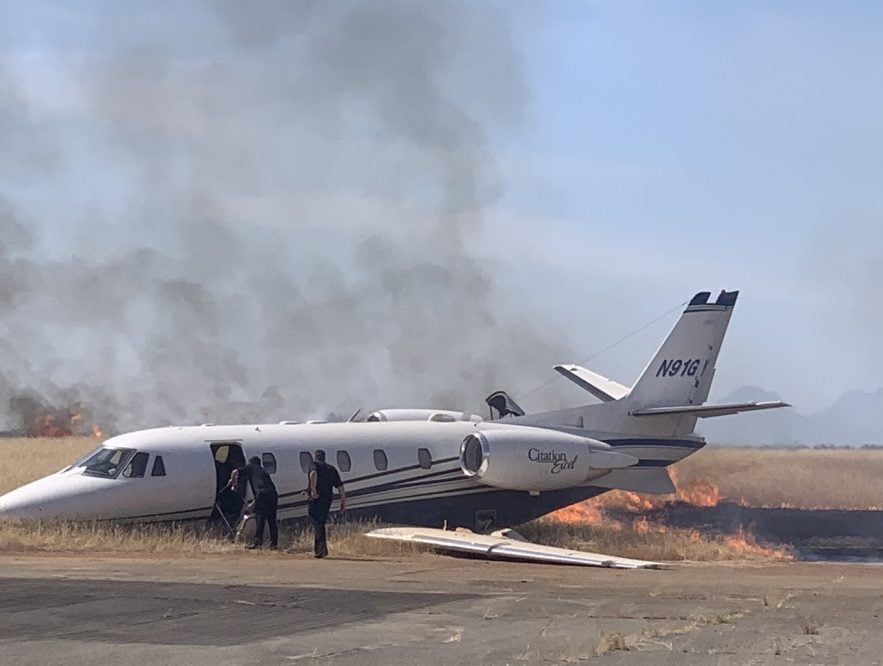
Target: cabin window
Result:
[380, 461]
[343, 461]
[159, 467]
[424, 457]
[306, 461]
[268, 460]
[137, 466]
[106, 462]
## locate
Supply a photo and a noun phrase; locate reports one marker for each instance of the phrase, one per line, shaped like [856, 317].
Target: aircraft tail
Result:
[681, 371]
[669, 396]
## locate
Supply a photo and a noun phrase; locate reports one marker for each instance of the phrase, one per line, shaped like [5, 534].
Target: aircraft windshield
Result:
[106, 462]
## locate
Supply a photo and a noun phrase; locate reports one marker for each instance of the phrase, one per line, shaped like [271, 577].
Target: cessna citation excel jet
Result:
[430, 469]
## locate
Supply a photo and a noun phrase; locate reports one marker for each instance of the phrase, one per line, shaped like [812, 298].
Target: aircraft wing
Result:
[704, 411]
[598, 385]
[498, 545]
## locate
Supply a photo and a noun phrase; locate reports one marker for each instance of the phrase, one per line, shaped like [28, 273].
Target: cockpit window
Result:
[159, 467]
[137, 466]
[82, 461]
[106, 462]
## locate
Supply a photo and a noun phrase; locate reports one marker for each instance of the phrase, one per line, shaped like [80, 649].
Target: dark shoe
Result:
[274, 546]
[319, 556]
[254, 546]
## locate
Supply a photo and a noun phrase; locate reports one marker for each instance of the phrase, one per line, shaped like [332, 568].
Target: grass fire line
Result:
[618, 521]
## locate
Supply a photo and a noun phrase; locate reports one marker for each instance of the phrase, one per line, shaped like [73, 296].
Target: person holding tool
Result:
[323, 479]
[266, 500]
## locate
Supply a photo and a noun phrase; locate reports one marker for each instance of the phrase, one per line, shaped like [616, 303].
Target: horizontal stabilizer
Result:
[498, 546]
[705, 411]
[598, 385]
[639, 480]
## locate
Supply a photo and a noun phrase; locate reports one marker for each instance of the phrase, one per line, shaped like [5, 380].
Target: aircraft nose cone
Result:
[21, 503]
[52, 498]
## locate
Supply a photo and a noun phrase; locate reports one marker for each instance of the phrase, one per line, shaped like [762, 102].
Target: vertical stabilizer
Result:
[681, 371]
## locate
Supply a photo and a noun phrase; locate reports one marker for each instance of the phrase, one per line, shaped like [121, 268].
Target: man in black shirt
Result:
[265, 500]
[323, 479]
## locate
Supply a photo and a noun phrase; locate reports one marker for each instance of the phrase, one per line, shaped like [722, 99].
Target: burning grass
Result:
[642, 540]
[774, 478]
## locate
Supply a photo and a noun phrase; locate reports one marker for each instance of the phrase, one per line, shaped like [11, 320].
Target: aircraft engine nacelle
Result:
[535, 459]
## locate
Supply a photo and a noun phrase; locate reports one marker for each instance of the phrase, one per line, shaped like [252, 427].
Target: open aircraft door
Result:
[228, 502]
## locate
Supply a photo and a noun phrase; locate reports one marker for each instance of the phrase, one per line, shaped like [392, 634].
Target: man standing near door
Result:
[266, 500]
[323, 478]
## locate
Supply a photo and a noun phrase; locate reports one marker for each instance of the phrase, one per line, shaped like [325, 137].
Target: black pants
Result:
[319, 509]
[265, 511]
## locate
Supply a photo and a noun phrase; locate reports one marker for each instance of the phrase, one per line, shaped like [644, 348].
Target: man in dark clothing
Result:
[323, 479]
[265, 500]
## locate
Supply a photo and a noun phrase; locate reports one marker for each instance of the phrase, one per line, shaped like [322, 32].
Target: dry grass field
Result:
[756, 477]
[25, 459]
[802, 478]
[345, 539]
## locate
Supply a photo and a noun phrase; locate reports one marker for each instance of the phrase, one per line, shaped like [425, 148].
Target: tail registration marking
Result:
[678, 367]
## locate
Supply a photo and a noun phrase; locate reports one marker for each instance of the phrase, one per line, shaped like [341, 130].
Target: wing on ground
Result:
[498, 545]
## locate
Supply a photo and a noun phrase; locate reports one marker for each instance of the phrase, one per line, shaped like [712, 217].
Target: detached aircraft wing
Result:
[705, 411]
[500, 546]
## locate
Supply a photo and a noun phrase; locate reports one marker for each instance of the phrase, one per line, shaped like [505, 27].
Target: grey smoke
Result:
[253, 211]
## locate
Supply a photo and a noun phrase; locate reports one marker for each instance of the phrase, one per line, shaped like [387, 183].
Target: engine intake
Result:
[535, 459]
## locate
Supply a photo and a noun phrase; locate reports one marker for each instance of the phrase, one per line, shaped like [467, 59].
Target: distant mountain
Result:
[856, 418]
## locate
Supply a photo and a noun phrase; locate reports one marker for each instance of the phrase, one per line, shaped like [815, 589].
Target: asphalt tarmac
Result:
[268, 608]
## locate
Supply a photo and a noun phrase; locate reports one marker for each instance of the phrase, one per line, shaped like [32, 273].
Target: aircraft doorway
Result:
[228, 502]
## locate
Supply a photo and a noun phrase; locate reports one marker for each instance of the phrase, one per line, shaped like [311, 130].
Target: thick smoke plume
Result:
[236, 212]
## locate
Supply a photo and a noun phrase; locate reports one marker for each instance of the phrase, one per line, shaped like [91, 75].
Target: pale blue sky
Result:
[678, 146]
[665, 148]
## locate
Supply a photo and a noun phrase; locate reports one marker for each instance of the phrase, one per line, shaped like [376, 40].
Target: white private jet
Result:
[424, 468]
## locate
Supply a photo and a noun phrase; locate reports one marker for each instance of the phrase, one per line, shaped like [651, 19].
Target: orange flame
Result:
[596, 511]
[61, 422]
[585, 513]
[745, 542]
[47, 426]
[592, 511]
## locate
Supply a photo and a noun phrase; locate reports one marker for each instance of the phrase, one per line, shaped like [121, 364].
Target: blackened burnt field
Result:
[811, 534]
[823, 503]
